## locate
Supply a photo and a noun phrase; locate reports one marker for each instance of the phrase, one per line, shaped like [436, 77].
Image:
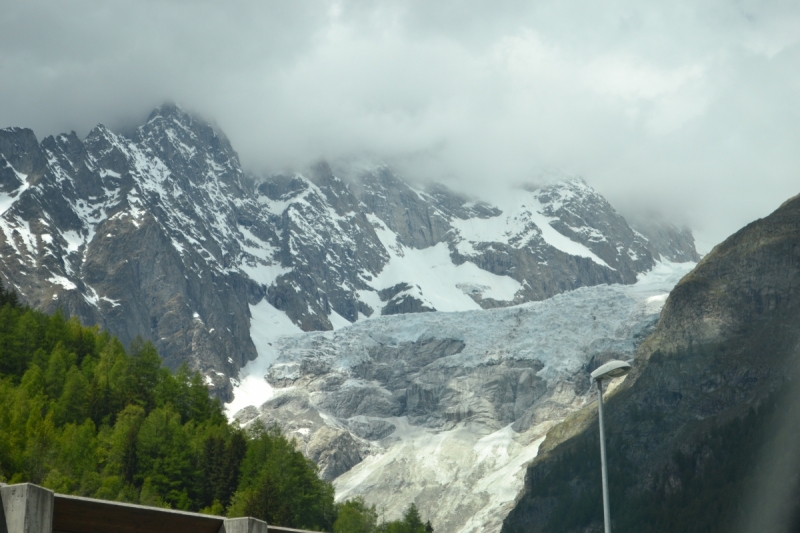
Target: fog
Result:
[684, 109]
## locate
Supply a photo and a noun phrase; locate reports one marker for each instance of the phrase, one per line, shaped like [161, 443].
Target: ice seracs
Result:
[446, 409]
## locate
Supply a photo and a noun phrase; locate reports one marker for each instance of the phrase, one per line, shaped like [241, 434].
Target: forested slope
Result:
[80, 414]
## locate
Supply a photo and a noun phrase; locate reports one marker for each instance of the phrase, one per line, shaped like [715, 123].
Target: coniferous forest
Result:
[81, 414]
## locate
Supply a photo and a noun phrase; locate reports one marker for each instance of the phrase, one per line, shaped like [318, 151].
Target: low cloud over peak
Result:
[683, 108]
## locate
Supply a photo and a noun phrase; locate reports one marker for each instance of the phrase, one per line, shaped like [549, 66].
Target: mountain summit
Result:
[161, 235]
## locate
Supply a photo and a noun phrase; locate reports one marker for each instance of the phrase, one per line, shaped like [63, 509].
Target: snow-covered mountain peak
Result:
[165, 224]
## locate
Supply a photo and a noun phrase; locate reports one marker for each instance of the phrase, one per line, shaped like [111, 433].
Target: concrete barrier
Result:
[28, 508]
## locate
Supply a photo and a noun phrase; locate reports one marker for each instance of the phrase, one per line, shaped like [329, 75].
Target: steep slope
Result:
[161, 235]
[665, 241]
[446, 409]
[727, 339]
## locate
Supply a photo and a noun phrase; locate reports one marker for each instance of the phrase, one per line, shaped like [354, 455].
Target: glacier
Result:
[444, 434]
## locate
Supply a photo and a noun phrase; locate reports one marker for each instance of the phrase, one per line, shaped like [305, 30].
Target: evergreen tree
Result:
[80, 414]
[354, 516]
[279, 485]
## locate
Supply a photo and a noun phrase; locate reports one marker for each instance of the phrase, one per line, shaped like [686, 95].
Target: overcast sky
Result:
[686, 108]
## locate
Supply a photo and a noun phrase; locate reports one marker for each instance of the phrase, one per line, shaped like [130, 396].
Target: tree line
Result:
[81, 414]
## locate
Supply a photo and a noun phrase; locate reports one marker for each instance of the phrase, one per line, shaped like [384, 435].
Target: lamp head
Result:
[612, 369]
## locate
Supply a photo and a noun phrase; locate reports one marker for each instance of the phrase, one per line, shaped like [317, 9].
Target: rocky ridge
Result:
[160, 234]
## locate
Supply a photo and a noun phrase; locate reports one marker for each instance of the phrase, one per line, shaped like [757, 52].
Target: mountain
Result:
[137, 235]
[703, 432]
[160, 234]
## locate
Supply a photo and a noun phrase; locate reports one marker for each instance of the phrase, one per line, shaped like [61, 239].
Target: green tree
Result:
[75, 455]
[144, 370]
[412, 519]
[279, 485]
[73, 404]
[122, 458]
[163, 457]
[56, 371]
[81, 415]
[354, 516]
[410, 523]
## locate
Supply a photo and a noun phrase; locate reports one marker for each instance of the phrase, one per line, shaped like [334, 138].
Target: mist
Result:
[687, 110]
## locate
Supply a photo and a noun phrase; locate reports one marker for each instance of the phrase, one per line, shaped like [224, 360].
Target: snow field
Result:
[266, 324]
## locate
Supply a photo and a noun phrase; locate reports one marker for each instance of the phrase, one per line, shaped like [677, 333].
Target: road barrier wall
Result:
[29, 508]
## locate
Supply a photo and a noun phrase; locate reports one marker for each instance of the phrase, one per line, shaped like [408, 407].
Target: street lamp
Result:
[612, 369]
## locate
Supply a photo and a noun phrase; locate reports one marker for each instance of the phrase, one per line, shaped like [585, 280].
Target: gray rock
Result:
[667, 241]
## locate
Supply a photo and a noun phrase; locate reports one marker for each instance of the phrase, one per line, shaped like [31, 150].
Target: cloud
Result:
[688, 109]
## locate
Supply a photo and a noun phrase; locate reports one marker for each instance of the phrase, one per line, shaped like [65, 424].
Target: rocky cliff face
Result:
[161, 235]
[727, 339]
[136, 235]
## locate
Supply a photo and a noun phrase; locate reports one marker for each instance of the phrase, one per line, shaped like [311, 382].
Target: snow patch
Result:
[522, 224]
[438, 278]
[55, 279]
[74, 240]
[338, 321]
[7, 199]
[266, 324]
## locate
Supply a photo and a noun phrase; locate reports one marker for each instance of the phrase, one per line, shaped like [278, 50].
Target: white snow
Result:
[433, 277]
[8, 199]
[432, 270]
[55, 279]
[114, 303]
[74, 240]
[92, 298]
[28, 238]
[338, 321]
[521, 222]
[464, 465]
[266, 325]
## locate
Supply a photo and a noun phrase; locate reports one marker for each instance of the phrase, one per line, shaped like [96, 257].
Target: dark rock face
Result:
[399, 301]
[417, 222]
[667, 241]
[161, 235]
[726, 340]
[137, 235]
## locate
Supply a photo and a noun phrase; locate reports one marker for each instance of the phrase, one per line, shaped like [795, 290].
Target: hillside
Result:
[702, 434]
[80, 414]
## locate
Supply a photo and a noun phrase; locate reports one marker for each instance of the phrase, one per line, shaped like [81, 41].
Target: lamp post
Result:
[612, 369]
